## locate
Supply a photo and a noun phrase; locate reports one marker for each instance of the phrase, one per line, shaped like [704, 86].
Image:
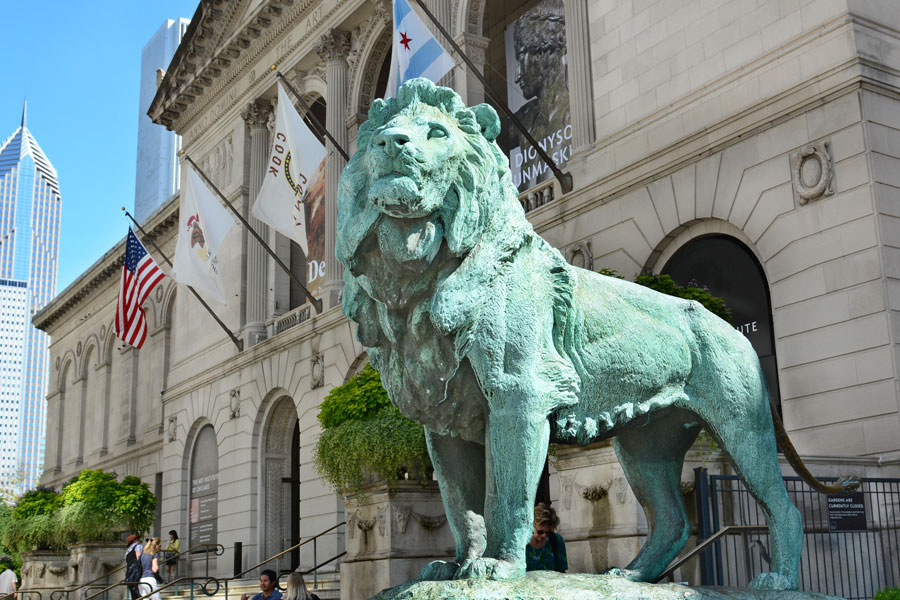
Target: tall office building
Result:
[30, 205]
[157, 162]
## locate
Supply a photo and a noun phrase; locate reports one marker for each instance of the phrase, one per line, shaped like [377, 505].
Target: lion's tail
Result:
[844, 484]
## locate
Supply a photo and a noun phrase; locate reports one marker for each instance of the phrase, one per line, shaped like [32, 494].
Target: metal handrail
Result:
[283, 552]
[57, 593]
[743, 530]
[12, 595]
[219, 551]
[203, 586]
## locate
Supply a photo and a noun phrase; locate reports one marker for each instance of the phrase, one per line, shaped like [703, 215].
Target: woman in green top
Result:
[546, 551]
[172, 549]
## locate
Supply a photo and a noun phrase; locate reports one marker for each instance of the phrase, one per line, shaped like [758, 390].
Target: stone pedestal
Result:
[547, 585]
[97, 562]
[45, 568]
[391, 535]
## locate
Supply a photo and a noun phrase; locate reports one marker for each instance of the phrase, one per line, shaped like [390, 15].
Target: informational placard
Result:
[847, 512]
[204, 500]
[538, 92]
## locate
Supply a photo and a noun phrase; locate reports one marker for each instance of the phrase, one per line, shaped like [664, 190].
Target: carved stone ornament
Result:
[430, 522]
[256, 114]
[581, 255]
[57, 363]
[352, 521]
[235, 403]
[382, 520]
[78, 349]
[172, 428]
[159, 293]
[334, 45]
[812, 172]
[317, 371]
[401, 517]
[365, 524]
[102, 331]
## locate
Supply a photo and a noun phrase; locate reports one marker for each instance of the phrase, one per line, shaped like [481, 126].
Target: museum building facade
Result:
[751, 147]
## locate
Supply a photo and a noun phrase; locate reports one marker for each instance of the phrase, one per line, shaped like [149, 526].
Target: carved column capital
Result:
[256, 114]
[334, 46]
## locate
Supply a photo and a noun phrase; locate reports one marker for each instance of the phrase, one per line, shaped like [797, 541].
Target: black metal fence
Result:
[851, 543]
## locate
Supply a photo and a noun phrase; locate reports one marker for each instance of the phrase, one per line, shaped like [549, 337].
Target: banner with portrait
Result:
[537, 91]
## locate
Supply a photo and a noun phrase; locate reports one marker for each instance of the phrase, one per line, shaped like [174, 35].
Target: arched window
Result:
[731, 271]
[204, 503]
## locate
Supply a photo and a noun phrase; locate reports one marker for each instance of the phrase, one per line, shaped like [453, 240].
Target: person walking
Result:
[8, 579]
[150, 569]
[133, 564]
[296, 588]
[546, 551]
[172, 549]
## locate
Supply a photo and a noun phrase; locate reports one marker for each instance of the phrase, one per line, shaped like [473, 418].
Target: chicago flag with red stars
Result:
[415, 52]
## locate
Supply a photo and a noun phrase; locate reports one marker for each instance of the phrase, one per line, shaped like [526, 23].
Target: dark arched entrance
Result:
[731, 271]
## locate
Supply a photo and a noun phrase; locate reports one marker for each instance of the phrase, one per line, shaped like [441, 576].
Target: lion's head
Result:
[424, 154]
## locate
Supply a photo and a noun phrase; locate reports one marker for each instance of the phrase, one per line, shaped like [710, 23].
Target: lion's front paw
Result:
[438, 570]
[772, 581]
[490, 568]
[629, 574]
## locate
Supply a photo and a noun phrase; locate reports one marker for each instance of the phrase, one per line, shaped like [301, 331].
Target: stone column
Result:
[333, 48]
[256, 115]
[581, 98]
[465, 82]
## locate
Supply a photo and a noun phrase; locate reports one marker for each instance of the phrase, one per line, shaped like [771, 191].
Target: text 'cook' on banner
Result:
[538, 92]
[292, 196]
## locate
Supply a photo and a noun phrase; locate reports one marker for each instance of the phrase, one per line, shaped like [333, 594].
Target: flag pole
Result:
[237, 342]
[319, 127]
[313, 300]
[565, 179]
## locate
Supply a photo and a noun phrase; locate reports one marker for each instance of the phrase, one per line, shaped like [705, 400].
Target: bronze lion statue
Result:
[484, 334]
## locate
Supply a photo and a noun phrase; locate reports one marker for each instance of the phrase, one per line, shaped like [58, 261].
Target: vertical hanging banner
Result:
[292, 197]
[202, 225]
[538, 91]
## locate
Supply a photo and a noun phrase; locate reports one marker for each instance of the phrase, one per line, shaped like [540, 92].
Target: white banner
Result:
[202, 225]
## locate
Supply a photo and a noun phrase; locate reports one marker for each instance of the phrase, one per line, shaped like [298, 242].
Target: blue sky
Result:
[79, 65]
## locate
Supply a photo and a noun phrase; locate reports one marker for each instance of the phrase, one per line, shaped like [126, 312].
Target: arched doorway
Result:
[730, 270]
[281, 464]
[203, 508]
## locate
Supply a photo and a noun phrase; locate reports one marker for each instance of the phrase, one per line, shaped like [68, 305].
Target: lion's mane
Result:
[484, 227]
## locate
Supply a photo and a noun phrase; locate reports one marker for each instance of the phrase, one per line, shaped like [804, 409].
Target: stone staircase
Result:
[329, 588]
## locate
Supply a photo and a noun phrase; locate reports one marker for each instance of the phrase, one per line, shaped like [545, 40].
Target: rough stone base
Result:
[546, 585]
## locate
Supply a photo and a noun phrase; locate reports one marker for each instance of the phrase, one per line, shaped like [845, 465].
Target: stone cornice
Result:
[222, 46]
[105, 268]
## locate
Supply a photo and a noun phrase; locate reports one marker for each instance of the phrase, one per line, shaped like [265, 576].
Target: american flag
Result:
[140, 274]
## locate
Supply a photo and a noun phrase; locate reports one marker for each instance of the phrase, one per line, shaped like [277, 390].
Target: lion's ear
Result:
[488, 121]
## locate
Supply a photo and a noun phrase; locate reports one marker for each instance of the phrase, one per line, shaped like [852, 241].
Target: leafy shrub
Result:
[384, 445]
[361, 397]
[93, 506]
[42, 500]
[888, 594]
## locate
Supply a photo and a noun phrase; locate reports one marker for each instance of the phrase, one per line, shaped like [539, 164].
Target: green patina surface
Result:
[484, 334]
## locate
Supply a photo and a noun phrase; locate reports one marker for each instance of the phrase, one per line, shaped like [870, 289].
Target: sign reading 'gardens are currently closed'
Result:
[847, 512]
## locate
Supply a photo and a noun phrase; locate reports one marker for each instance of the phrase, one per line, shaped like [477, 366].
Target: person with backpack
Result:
[133, 564]
[546, 551]
[150, 573]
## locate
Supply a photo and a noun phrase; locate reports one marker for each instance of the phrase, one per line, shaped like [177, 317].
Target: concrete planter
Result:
[97, 560]
[391, 535]
[45, 568]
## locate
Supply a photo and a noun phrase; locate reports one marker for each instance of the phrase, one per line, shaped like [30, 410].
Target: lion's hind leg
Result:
[652, 455]
[749, 439]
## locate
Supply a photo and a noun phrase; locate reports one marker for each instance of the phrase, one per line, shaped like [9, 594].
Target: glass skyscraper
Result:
[30, 206]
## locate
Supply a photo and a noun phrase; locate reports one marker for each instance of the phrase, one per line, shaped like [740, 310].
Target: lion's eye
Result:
[437, 131]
